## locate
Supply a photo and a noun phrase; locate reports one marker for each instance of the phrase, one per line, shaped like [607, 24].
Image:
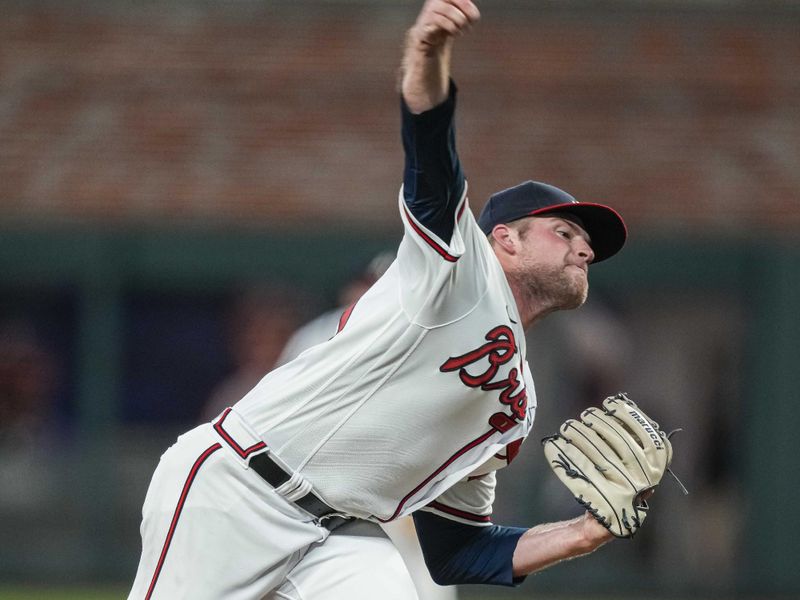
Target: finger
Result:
[644, 430]
[578, 473]
[575, 469]
[605, 459]
[615, 434]
[469, 9]
[448, 18]
[622, 443]
[440, 23]
[454, 16]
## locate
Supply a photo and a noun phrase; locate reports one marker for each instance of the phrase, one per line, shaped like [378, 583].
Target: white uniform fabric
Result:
[400, 531]
[356, 561]
[213, 529]
[417, 400]
[423, 386]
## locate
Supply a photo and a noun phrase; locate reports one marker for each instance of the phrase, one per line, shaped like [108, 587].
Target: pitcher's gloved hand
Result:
[611, 460]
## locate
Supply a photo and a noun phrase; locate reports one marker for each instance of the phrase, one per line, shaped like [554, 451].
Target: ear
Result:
[505, 237]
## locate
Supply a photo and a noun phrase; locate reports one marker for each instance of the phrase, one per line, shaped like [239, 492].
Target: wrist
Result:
[581, 542]
[418, 40]
[425, 72]
[548, 544]
[590, 534]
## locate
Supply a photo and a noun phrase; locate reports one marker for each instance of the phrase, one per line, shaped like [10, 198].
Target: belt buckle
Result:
[333, 520]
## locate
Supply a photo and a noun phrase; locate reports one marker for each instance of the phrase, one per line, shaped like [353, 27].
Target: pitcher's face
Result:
[554, 261]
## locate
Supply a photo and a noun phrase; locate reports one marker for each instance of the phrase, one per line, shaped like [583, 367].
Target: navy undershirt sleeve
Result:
[456, 553]
[433, 181]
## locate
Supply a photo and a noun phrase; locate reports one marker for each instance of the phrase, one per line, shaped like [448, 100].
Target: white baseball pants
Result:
[214, 529]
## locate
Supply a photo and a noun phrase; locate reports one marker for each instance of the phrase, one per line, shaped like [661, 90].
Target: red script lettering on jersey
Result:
[498, 350]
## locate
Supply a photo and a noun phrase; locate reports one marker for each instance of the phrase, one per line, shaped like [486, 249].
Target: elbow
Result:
[444, 581]
[442, 578]
[444, 574]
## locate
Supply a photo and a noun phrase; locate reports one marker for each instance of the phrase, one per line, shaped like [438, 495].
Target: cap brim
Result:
[604, 225]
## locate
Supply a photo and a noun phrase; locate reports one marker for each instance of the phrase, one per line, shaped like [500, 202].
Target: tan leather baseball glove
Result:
[610, 460]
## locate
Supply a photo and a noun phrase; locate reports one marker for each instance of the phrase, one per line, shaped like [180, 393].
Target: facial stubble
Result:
[551, 288]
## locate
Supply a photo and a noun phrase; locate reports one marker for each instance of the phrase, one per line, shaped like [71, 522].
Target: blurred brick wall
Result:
[244, 113]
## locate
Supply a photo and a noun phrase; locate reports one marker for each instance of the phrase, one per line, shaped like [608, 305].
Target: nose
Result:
[585, 250]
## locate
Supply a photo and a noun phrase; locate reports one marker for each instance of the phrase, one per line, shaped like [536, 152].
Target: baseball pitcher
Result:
[413, 405]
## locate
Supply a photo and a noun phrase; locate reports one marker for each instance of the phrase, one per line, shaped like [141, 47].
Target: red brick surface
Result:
[222, 115]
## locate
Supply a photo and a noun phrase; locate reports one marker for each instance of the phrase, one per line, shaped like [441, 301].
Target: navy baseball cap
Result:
[528, 199]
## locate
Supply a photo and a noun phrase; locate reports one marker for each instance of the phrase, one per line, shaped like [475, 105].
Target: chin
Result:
[579, 291]
[556, 288]
[575, 302]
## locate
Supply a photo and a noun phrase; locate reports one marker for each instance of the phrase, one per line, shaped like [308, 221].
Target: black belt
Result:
[274, 475]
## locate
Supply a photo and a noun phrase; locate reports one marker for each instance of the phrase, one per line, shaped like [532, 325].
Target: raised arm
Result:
[429, 45]
[433, 182]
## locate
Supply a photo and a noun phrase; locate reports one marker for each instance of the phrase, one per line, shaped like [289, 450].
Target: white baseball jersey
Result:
[419, 397]
[319, 330]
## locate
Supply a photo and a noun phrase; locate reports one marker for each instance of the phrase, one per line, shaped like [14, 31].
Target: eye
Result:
[565, 233]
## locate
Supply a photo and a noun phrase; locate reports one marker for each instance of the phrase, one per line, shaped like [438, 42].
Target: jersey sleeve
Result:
[433, 182]
[440, 281]
[442, 257]
[469, 501]
[455, 553]
[459, 542]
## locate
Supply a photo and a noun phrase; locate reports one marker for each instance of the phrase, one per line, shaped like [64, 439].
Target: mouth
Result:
[583, 270]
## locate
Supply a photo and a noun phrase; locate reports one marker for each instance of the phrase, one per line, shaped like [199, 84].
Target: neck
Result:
[530, 306]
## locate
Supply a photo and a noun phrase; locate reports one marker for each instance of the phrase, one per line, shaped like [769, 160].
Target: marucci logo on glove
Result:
[499, 349]
[648, 428]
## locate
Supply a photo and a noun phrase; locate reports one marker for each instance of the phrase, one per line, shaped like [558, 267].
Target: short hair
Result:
[521, 226]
